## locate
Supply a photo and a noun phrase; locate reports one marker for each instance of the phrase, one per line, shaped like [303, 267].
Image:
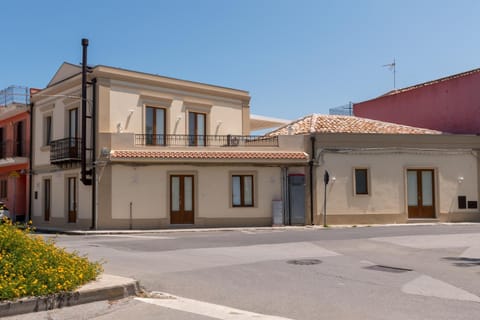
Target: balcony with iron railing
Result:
[177, 140]
[65, 150]
[12, 149]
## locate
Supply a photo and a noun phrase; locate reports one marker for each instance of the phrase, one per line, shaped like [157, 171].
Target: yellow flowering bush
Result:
[31, 266]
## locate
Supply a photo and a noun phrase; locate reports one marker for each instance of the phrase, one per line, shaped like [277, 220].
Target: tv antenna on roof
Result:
[391, 67]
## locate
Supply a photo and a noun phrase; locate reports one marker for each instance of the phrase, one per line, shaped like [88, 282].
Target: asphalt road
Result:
[399, 272]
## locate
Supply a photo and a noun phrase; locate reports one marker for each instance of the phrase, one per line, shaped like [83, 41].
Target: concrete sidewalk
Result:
[266, 228]
[106, 287]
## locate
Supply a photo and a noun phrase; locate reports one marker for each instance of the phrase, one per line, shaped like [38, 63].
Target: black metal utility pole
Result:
[326, 178]
[84, 179]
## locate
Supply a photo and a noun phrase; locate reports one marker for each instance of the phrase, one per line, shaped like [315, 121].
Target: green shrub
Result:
[30, 266]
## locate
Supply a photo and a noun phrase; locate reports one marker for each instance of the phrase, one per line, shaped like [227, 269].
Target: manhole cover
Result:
[304, 262]
[388, 269]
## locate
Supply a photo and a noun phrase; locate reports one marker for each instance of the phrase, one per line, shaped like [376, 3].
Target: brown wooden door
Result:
[420, 194]
[46, 199]
[72, 199]
[181, 199]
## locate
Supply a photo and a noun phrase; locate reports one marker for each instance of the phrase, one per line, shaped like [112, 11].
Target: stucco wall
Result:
[147, 188]
[449, 106]
[59, 209]
[387, 177]
[58, 108]
[127, 112]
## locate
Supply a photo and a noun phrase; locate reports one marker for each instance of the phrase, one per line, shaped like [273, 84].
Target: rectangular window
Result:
[361, 181]
[155, 126]
[19, 140]
[197, 129]
[48, 130]
[73, 134]
[73, 123]
[3, 146]
[242, 190]
[3, 188]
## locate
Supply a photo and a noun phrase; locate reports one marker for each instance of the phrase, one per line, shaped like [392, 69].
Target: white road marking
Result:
[248, 232]
[205, 308]
[434, 241]
[201, 258]
[430, 287]
[469, 240]
[137, 237]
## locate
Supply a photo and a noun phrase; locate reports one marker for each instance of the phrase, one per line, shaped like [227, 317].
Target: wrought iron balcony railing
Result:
[11, 149]
[205, 140]
[65, 150]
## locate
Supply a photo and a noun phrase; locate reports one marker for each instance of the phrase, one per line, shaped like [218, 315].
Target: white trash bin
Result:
[277, 212]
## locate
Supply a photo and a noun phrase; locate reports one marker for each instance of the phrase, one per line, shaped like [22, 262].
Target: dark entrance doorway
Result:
[296, 199]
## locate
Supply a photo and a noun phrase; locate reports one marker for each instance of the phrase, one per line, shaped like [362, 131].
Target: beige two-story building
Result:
[152, 151]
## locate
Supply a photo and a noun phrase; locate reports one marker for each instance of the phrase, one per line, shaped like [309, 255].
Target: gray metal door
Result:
[296, 199]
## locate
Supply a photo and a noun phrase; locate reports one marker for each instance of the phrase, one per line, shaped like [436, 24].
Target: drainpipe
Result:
[94, 154]
[286, 215]
[310, 163]
[30, 166]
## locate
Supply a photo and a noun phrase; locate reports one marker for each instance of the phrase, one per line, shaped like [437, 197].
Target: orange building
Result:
[15, 150]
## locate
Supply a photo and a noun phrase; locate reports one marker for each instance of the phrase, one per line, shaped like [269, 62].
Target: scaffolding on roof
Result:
[345, 110]
[13, 95]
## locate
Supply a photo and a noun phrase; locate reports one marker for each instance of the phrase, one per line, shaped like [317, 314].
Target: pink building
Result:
[15, 150]
[450, 104]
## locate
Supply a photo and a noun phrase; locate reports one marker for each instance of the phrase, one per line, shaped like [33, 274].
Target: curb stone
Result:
[107, 287]
[213, 229]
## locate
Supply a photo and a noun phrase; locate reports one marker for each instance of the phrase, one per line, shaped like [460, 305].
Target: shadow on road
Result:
[464, 262]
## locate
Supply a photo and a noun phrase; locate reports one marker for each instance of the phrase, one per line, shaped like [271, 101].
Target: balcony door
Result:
[420, 194]
[3, 145]
[74, 146]
[181, 199]
[72, 199]
[19, 139]
[197, 129]
[155, 126]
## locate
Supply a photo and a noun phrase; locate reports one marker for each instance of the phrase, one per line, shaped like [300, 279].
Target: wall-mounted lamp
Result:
[460, 179]
[179, 118]
[333, 179]
[219, 123]
[131, 111]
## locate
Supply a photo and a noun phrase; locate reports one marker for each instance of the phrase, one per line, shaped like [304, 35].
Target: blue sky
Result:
[294, 57]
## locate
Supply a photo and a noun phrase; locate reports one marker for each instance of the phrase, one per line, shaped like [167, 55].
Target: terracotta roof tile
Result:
[208, 155]
[319, 123]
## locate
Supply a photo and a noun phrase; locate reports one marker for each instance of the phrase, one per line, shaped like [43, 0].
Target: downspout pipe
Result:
[94, 154]
[30, 166]
[311, 163]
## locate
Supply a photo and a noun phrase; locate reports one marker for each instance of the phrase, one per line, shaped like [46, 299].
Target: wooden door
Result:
[197, 123]
[72, 199]
[46, 199]
[420, 194]
[181, 199]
